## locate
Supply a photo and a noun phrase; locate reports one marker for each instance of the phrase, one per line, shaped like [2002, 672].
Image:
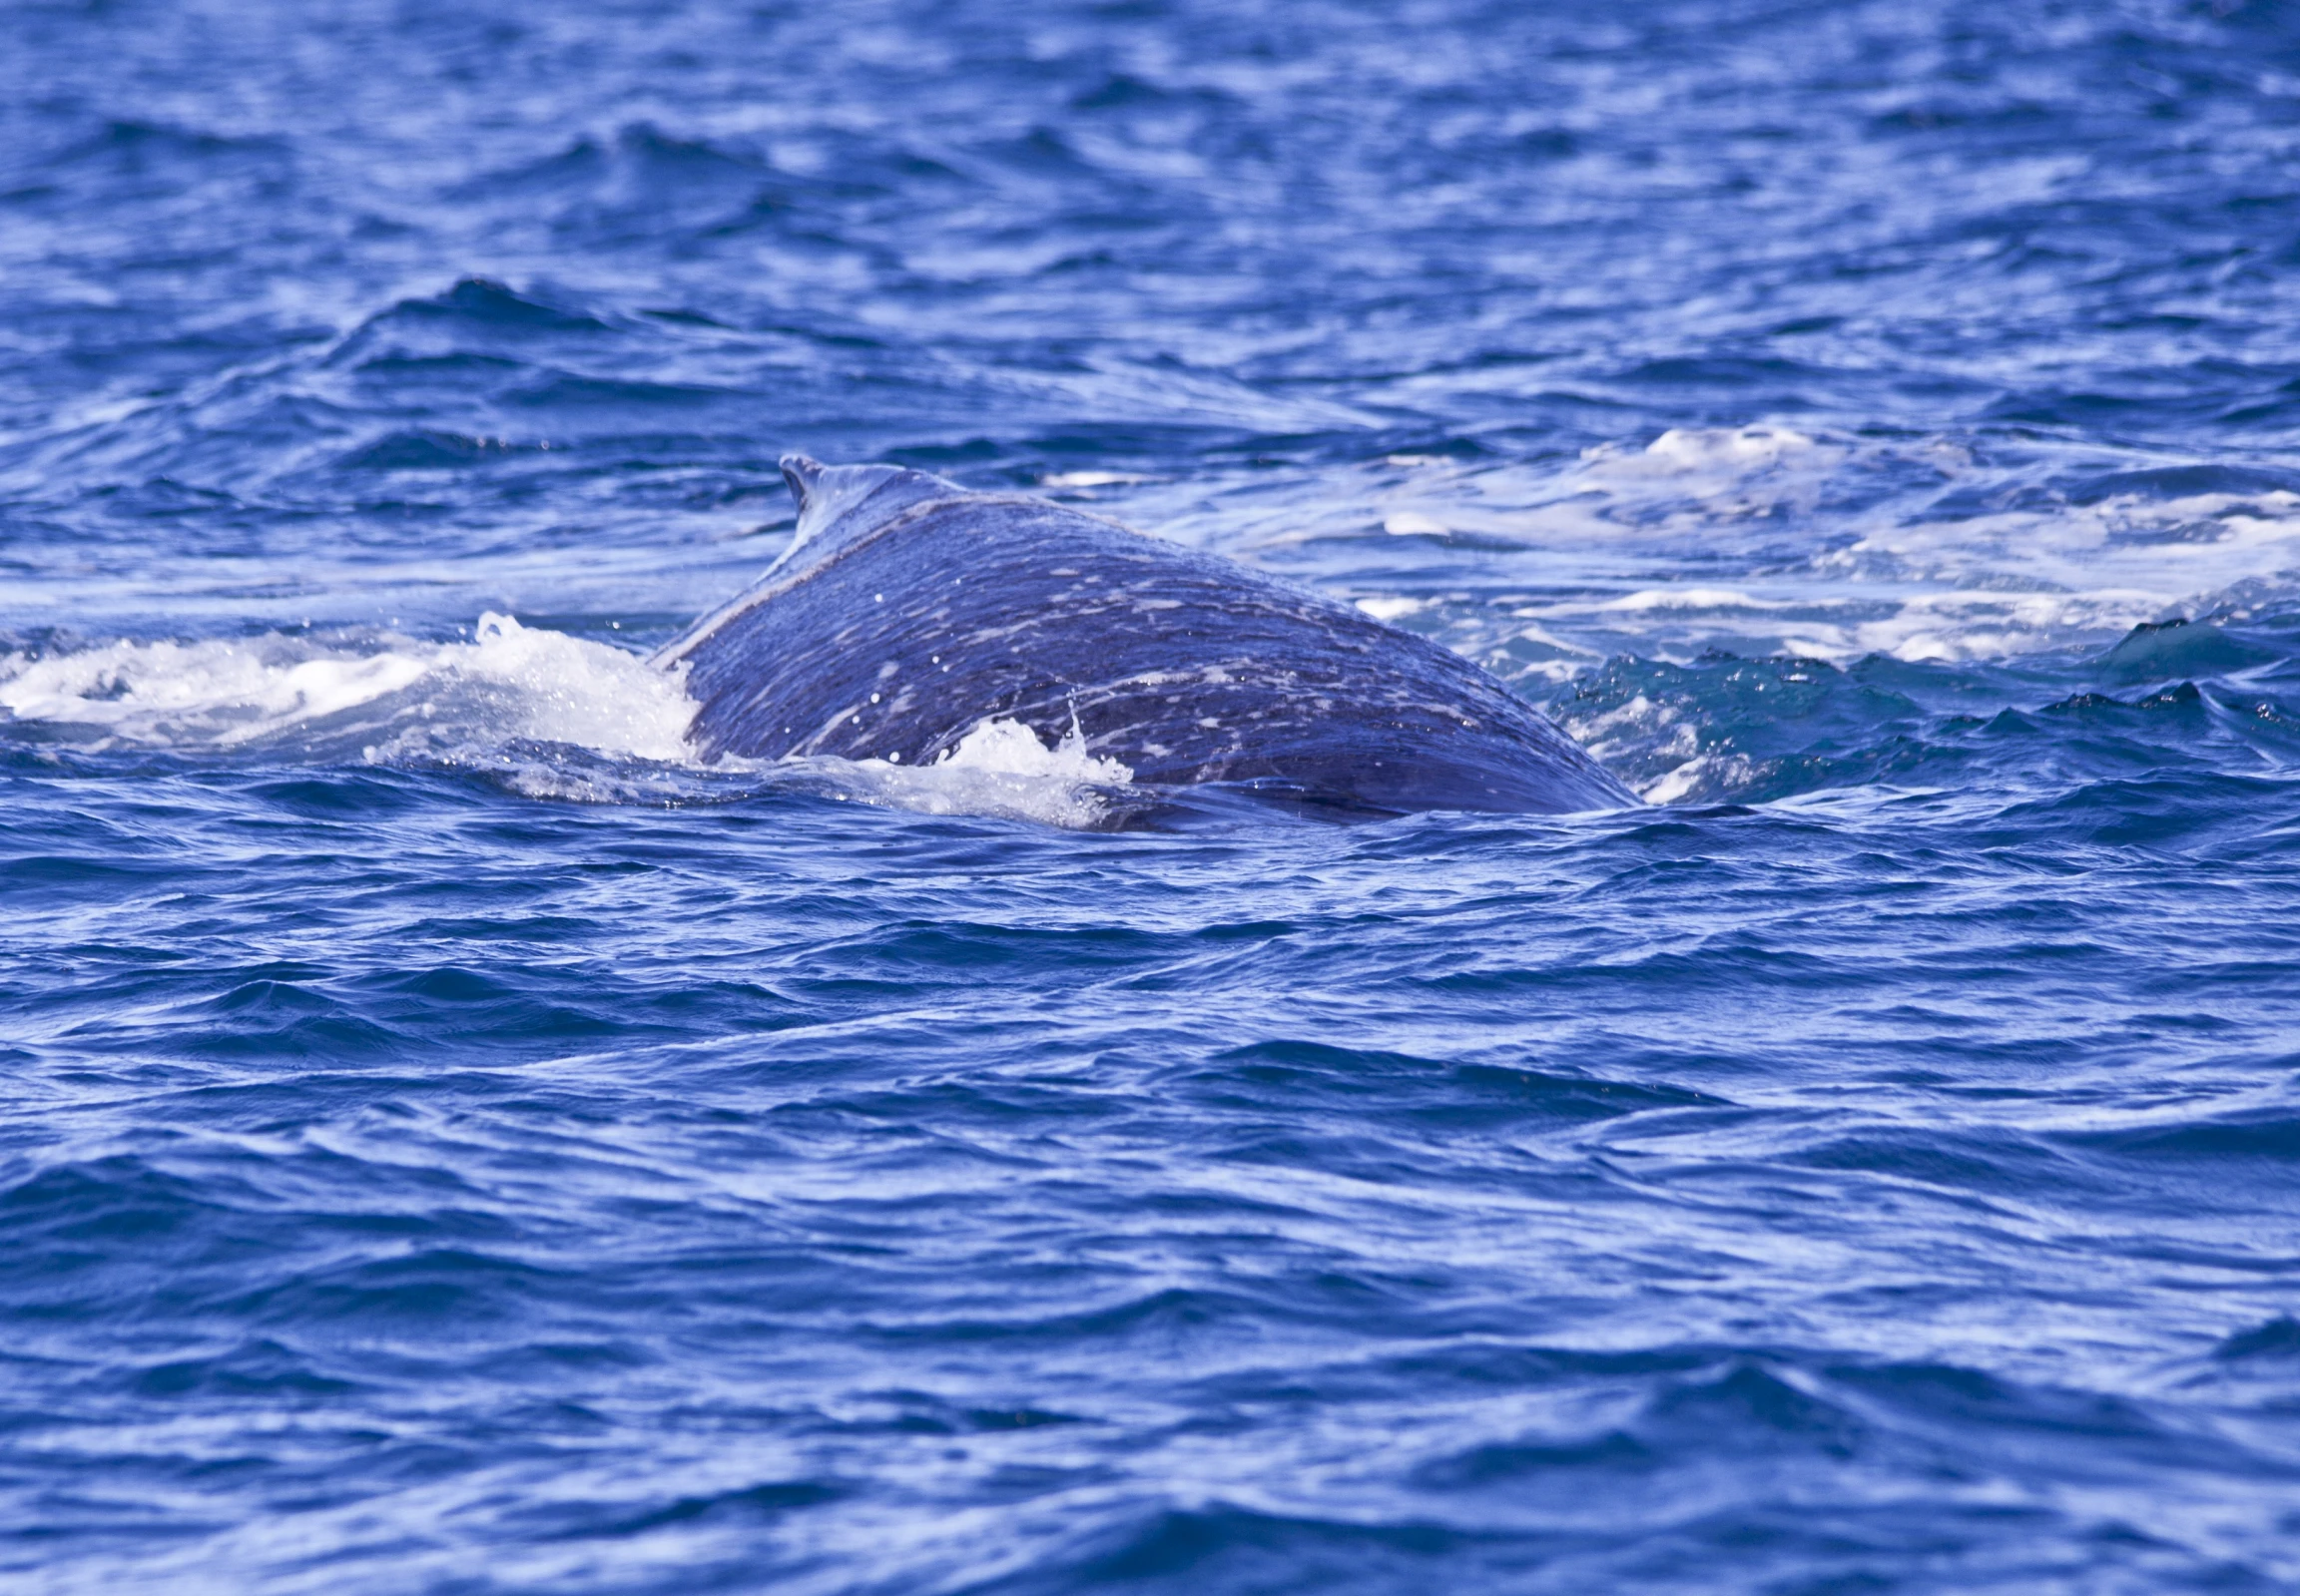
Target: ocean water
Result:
[453, 1142]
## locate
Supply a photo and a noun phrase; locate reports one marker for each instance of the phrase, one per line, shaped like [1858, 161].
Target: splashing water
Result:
[499, 704]
[286, 694]
[1000, 768]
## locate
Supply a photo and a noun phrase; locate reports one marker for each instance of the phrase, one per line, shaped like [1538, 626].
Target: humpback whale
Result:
[909, 611]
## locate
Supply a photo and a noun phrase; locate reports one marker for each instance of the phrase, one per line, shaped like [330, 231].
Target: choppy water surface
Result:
[453, 1142]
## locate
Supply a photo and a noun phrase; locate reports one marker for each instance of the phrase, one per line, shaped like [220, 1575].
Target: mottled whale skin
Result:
[910, 610]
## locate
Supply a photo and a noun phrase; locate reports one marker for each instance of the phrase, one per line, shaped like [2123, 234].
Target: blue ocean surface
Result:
[453, 1140]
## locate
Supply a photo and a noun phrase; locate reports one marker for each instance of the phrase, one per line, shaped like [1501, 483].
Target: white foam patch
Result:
[1391, 607]
[510, 682]
[1413, 523]
[502, 702]
[1089, 479]
[1728, 770]
[1689, 598]
[1833, 547]
[1000, 767]
[1721, 457]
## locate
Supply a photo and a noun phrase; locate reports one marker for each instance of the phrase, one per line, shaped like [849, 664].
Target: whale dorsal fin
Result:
[850, 500]
[838, 505]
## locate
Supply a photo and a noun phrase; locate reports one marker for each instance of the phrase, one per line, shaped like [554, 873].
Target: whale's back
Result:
[897, 628]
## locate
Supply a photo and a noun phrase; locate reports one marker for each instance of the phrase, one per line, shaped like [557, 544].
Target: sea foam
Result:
[550, 715]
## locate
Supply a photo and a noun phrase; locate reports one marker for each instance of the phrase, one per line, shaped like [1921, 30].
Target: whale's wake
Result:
[384, 696]
[545, 714]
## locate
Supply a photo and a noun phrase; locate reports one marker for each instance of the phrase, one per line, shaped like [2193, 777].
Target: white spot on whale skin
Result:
[874, 698]
[878, 598]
